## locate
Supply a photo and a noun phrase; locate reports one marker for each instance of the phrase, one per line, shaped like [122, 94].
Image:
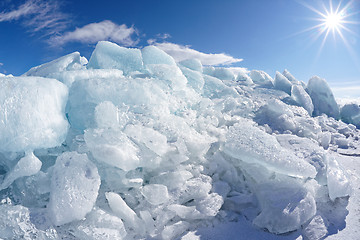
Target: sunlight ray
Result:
[311, 8]
[333, 20]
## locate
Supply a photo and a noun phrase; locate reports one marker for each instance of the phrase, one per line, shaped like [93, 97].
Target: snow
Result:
[135, 145]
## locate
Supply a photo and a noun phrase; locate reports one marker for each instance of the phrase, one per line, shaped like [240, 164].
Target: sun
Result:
[332, 20]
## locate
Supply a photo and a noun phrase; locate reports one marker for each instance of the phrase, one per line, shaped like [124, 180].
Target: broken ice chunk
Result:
[154, 55]
[32, 113]
[193, 64]
[74, 188]
[342, 142]
[185, 212]
[223, 73]
[261, 78]
[285, 206]
[222, 188]
[239, 201]
[68, 77]
[350, 113]
[139, 95]
[252, 145]
[171, 74]
[322, 98]
[152, 139]
[122, 210]
[282, 83]
[148, 220]
[290, 77]
[325, 139]
[195, 188]
[112, 147]
[155, 194]
[277, 115]
[210, 205]
[107, 115]
[215, 88]
[16, 223]
[337, 181]
[109, 55]
[72, 61]
[172, 179]
[27, 166]
[174, 230]
[302, 98]
[194, 78]
[316, 229]
[243, 78]
[100, 225]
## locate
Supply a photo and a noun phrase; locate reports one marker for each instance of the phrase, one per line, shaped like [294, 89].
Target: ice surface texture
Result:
[74, 188]
[111, 56]
[350, 113]
[32, 113]
[133, 145]
[322, 98]
[252, 145]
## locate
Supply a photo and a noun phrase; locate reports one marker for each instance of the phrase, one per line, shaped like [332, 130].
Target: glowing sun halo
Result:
[332, 20]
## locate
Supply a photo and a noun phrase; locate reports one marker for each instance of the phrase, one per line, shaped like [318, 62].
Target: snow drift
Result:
[133, 144]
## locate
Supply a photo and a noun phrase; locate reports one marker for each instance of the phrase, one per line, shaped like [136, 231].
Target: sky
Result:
[258, 34]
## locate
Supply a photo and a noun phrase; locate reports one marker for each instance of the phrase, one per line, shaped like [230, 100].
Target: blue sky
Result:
[265, 34]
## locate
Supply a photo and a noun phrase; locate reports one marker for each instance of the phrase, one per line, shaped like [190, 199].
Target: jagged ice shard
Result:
[134, 145]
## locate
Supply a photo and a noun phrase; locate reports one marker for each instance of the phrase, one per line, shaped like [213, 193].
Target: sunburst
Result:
[334, 21]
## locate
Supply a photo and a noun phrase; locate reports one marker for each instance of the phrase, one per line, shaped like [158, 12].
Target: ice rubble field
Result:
[133, 145]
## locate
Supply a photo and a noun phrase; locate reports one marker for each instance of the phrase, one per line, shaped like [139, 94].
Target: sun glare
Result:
[332, 20]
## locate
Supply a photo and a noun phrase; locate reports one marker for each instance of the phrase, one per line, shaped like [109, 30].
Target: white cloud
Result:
[28, 8]
[38, 15]
[348, 91]
[1, 64]
[180, 52]
[94, 32]
[159, 36]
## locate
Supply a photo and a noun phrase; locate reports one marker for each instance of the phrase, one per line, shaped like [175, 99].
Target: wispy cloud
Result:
[38, 15]
[347, 91]
[94, 32]
[159, 36]
[180, 52]
[1, 64]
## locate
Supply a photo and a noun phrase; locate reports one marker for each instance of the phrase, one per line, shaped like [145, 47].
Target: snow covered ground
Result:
[134, 145]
